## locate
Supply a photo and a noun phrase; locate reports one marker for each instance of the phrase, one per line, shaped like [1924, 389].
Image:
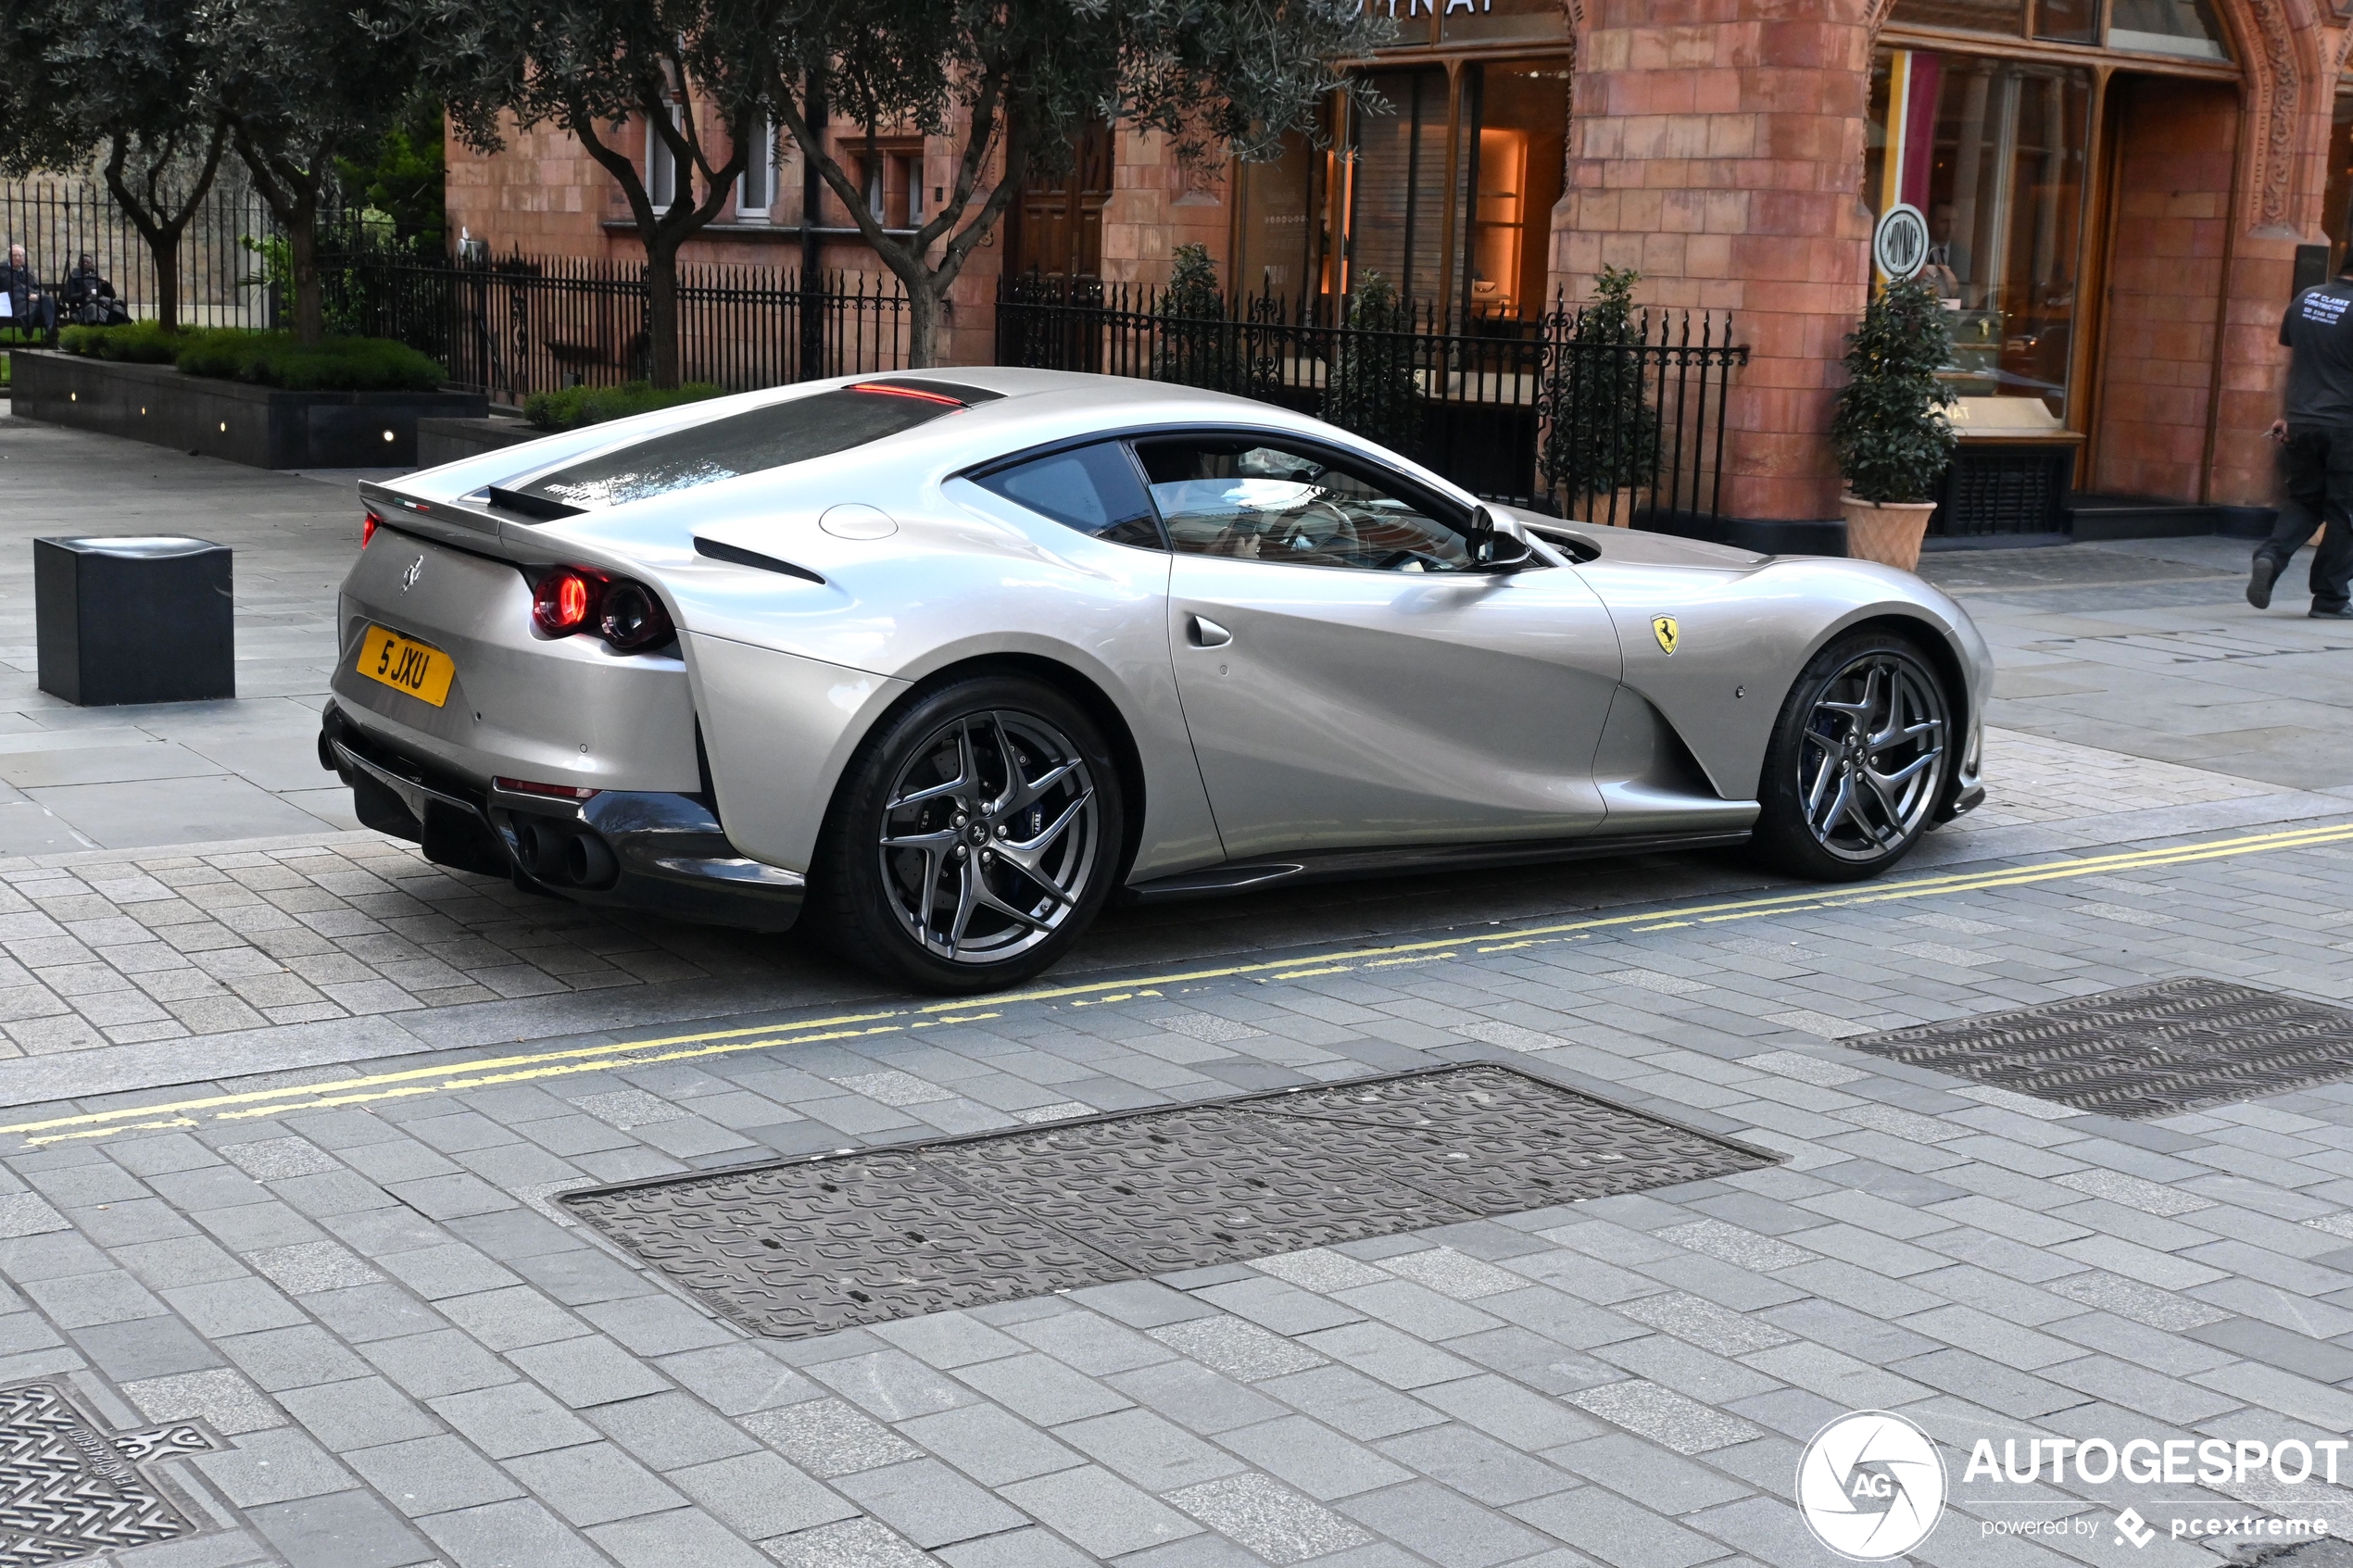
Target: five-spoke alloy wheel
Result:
[974, 838]
[1859, 760]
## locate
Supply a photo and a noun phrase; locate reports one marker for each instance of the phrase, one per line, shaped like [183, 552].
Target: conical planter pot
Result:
[1889, 532]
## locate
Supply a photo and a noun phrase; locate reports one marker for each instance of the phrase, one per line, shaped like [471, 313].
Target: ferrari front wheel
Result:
[1860, 756]
[974, 839]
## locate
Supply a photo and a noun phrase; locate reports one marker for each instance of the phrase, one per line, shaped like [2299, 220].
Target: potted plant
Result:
[1602, 438]
[1893, 440]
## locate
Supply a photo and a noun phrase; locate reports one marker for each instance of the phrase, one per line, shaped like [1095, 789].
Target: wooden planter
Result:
[260, 426]
[1890, 533]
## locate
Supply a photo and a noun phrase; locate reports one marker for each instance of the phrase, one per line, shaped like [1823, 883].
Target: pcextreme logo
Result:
[1871, 1486]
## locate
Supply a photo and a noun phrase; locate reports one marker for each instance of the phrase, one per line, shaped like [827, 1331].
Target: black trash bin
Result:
[143, 618]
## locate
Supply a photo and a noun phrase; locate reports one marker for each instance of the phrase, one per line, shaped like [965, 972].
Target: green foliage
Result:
[403, 178]
[1371, 390]
[575, 406]
[141, 343]
[1600, 434]
[342, 364]
[1198, 345]
[1889, 431]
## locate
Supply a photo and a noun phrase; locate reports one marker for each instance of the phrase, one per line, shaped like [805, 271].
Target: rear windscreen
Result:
[757, 439]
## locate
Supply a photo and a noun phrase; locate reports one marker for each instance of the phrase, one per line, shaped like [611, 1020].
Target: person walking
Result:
[2315, 437]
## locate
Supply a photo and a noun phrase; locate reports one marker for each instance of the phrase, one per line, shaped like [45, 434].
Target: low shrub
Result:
[342, 364]
[141, 343]
[572, 407]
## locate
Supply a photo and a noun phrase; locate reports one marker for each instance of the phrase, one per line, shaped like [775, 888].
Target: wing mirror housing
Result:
[1492, 549]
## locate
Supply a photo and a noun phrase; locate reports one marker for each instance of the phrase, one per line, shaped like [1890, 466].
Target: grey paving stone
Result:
[359, 1413]
[663, 1540]
[1017, 1548]
[1042, 1389]
[1346, 1399]
[759, 1495]
[223, 1397]
[340, 1530]
[1098, 1511]
[1617, 1532]
[1277, 1525]
[1155, 1454]
[513, 1420]
[1241, 1350]
[1664, 1416]
[829, 1438]
[986, 1443]
[947, 1339]
[1448, 1529]
[894, 1384]
[593, 1482]
[432, 1476]
[509, 1534]
[930, 1504]
[1090, 1343]
[587, 1372]
[1314, 1458]
[672, 1429]
[854, 1543]
[274, 1466]
[1474, 1464]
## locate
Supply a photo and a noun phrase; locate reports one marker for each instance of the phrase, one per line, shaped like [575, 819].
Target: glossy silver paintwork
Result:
[1343, 710]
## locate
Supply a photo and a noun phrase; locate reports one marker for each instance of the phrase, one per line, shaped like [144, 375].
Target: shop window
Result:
[2167, 27]
[2336, 208]
[1993, 152]
[1280, 221]
[1398, 184]
[757, 189]
[1962, 16]
[1521, 115]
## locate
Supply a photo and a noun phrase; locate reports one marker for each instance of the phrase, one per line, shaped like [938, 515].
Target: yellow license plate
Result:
[406, 665]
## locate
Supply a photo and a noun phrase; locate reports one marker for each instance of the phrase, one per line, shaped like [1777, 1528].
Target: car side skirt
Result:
[1348, 865]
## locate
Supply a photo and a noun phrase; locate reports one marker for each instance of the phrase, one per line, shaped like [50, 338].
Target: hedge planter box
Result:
[260, 426]
[443, 441]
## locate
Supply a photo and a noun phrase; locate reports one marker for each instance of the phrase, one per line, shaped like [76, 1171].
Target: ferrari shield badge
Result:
[1663, 628]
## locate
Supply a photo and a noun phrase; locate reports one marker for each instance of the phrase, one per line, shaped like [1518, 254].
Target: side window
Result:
[1093, 489]
[1235, 496]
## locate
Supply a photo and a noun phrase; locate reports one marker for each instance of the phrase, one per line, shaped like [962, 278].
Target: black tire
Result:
[1040, 885]
[1896, 761]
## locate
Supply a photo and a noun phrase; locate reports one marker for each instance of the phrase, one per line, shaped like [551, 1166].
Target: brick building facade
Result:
[2118, 194]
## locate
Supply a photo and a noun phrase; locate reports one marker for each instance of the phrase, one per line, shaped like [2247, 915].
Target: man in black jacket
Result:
[2316, 450]
[88, 299]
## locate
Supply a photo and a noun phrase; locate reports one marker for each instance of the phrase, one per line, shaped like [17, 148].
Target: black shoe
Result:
[2258, 583]
[2341, 613]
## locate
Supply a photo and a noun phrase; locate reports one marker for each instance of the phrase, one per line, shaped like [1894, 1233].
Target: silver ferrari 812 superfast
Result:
[935, 664]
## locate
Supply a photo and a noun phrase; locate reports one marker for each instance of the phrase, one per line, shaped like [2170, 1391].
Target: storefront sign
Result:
[1899, 246]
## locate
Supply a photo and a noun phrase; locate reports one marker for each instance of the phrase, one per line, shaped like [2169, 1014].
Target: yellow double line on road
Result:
[527, 1067]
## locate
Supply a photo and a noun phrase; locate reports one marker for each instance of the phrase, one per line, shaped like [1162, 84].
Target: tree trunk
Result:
[165, 248]
[302, 252]
[662, 312]
[922, 324]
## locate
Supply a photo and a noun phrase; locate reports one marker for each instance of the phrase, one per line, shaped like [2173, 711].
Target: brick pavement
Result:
[411, 1356]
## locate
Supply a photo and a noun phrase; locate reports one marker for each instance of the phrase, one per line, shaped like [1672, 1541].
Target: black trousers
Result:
[2316, 490]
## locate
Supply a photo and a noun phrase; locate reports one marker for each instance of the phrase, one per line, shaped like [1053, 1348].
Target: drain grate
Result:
[2151, 1050]
[811, 1245]
[68, 1492]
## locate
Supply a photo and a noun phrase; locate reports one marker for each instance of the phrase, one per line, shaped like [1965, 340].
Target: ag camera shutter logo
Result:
[1871, 1486]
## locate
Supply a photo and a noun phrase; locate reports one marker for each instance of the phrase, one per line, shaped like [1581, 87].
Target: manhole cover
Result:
[2151, 1050]
[807, 1247]
[68, 1492]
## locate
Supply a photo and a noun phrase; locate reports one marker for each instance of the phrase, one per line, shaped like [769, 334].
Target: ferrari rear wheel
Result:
[1860, 759]
[974, 838]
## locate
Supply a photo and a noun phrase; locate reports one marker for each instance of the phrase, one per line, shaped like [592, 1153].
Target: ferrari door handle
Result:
[1207, 633]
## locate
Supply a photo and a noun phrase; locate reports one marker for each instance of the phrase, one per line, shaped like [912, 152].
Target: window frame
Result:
[979, 473]
[657, 156]
[764, 158]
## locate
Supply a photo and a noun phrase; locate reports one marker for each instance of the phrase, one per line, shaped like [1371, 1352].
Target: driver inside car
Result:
[1263, 503]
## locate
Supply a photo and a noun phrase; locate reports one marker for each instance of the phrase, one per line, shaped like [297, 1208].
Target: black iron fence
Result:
[519, 325]
[1600, 418]
[223, 255]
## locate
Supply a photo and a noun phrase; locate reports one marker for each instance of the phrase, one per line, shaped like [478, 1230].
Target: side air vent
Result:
[739, 556]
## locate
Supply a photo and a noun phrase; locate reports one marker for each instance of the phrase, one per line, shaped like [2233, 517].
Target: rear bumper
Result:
[639, 849]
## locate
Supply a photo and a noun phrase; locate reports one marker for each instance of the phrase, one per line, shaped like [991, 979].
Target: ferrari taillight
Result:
[368, 527]
[564, 601]
[629, 616]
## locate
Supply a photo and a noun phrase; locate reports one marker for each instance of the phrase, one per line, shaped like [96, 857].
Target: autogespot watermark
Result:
[1872, 1485]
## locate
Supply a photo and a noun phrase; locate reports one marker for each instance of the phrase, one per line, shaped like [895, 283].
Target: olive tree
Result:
[597, 68]
[302, 83]
[132, 81]
[1018, 81]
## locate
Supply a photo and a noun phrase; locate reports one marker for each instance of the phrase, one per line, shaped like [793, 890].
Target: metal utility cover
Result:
[807, 1247]
[68, 1492]
[2148, 1050]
